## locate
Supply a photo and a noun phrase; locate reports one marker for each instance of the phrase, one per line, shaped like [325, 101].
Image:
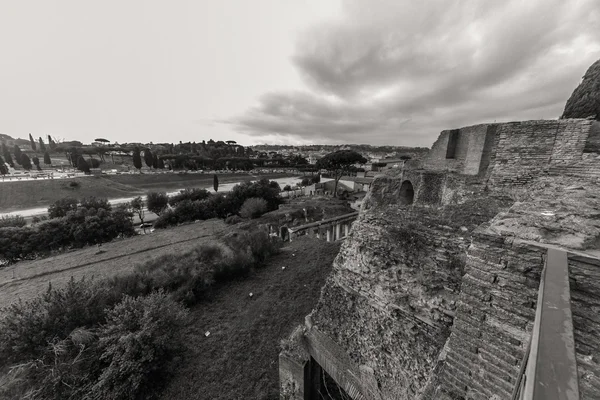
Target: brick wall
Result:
[495, 315]
[526, 150]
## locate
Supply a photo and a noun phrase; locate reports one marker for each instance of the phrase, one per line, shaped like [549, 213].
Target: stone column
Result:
[346, 229]
[329, 233]
[338, 231]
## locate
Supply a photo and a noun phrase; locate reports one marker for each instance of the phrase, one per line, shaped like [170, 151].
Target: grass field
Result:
[21, 195]
[26, 279]
[239, 359]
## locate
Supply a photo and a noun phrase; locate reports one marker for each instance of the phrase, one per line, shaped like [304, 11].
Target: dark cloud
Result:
[399, 72]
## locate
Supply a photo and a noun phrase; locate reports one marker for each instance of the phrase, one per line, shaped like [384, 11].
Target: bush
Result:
[139, 339]
[84, 341]
[287, 188]
[253, 208]
[74, 184]
[61, 207]
[233, 219]
[16, 221]
[189, 194]
[157, 202]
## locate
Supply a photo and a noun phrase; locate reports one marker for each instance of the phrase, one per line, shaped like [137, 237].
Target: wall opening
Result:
[322, 385]
[452, 142]
[407, 193]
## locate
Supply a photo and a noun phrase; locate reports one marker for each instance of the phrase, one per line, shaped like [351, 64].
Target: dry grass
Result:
[27, 279]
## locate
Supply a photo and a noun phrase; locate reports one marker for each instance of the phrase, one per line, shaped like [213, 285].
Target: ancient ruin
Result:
[435, 290]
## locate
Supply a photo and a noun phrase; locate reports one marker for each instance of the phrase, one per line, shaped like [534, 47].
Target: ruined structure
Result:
[435, 290]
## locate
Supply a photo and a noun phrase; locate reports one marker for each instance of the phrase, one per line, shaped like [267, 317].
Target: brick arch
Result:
[407, 193]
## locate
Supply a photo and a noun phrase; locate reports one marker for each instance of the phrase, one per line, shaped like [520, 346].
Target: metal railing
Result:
[549, 367]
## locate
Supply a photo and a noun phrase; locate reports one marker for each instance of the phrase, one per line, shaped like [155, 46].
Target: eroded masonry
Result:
[434, 291]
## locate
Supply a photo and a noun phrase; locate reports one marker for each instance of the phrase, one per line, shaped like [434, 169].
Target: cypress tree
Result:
[33, 147]
[3, 168]
[137, 159]
[51, 143]
[17, 152]
[42, 145]
[7, 156]
[47, 159]
[216, 183]
[148, 158]
[25, 161]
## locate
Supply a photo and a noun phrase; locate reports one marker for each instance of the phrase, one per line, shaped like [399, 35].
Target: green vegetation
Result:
[72, 224]
[253, 208]
[116, 338]
[340, 163]
[15, 221]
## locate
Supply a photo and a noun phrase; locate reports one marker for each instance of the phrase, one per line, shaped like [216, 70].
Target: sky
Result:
[287, 71]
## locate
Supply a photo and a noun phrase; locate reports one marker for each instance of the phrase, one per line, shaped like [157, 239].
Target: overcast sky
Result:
[287, 71]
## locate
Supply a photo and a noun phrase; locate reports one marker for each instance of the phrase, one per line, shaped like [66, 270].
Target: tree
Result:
[137, 159]
[157, 202]
[216, 183]
[3, 168]
[51, 143]
[83, 165]
[339, 163]
[148, 158]
[42, 145]
[25, 161]
[161, 163]
[36, 162]
[47, 159]
[102, 140]
[155, 161]
[17, 152]
[7, 156]
[33, 147]
[137, 206]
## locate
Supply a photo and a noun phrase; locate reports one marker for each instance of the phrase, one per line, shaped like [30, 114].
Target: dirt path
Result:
[238, 360]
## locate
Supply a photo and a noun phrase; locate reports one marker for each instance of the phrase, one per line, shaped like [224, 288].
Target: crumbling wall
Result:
[467, 156]
[526, 150]
[390, 301]
[495, 315]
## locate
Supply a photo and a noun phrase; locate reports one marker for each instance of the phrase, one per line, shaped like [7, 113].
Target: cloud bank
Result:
[398, 72]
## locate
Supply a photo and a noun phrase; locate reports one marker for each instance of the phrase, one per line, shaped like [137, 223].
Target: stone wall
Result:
[495, 315]
[526, 150]
[391, 299]
[471, 144]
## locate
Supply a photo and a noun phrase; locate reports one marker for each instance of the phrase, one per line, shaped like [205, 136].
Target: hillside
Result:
[585, 100]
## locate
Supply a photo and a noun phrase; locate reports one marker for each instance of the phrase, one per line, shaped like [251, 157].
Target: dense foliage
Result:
[73, 224]
[197, 204]
[116, 338]
[253, 208]
[157, 202]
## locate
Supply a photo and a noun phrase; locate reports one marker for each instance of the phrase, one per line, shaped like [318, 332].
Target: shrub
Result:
[61, 207]
[139, 339]
[74, 184]
[287, 188]
[189, 194]
[157, 202]
[166, 219]
[233, 219]
[253, 208]
[14, 221]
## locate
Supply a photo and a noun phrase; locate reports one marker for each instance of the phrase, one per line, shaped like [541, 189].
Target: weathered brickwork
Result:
[436, 299]
[526, 150]
[495, 315]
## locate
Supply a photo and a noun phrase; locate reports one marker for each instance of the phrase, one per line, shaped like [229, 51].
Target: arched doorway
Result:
[407, 193]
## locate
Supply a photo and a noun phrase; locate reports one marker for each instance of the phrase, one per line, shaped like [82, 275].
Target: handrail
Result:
[549, 369]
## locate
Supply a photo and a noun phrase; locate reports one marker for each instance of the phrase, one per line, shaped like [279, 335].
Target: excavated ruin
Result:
[433, 294]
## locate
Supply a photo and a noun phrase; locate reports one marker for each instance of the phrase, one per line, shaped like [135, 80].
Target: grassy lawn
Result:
[28, 278]
[239, 359]
[20, 195]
